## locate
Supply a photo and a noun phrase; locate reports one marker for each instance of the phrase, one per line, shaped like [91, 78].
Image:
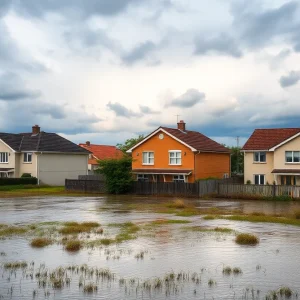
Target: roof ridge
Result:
[21, 143]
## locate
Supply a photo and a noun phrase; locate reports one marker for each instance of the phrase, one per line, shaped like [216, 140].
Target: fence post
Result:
[274, 190]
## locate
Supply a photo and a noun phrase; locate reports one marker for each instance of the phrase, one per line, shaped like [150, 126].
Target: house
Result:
[47, 156]
[177, 154]
[273, 156]
[100, 152]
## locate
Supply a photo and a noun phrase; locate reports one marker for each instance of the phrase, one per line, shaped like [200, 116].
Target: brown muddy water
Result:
[161, 261]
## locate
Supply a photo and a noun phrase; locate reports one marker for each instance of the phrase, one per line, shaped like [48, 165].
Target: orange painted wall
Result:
[161, 154]
[212, 165]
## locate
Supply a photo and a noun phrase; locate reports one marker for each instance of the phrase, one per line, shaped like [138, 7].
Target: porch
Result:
[6, 172]
[162, 175]
[286, 176]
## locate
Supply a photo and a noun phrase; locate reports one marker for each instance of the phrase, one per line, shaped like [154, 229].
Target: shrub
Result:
[26, 175]
[18, 181]
[117, 173]
[246, 239]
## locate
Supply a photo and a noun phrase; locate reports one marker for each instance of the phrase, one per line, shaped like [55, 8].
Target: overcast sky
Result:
[108, 70]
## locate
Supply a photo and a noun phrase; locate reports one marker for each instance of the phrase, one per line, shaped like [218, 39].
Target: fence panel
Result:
[89, 186]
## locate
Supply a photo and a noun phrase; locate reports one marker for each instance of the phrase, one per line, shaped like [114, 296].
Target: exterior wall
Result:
[53, 169]
[279, 155]
[26, 167]
[161, 154]
[212, 165]
[11, 157]
[251, 168]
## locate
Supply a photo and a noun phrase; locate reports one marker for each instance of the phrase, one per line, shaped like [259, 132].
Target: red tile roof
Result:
[197, 140]
[265, 139]
[102, 152]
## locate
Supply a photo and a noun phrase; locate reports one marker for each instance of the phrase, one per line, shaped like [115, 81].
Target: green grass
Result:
[75, 228]
[246, 239]
[205, 229]
[168, 221]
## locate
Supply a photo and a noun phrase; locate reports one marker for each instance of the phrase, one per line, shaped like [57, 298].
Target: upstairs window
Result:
[28, 157]
[148, 158]
[292, 156]
[259, 157]
[175, 157]
[3, 157]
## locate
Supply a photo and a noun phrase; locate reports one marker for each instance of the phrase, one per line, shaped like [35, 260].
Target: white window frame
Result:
[142, 177]
[3, 157]
[260, 176]
[258, 158]
[177, 157]
[26, 157]
[178, 178]
[293, 158]
[149, 157]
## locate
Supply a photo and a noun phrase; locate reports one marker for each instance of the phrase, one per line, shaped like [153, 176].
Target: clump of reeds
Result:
[227, 270]
[75, 228]
[211, 282]
[223, 229]
[237, 271]
[178, 203]
[106, 242]
[285, 291]
[73, 245]
[246, 239]
[140, 255]
[15, 265]
[90, 288]
[40, 242]
[12, 230]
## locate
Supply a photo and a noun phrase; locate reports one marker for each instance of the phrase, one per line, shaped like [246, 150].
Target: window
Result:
[28, 157]
[3, 157]
[142, 177]
[259, 156]
[292, 156]
[175, 157]
[178, 178]
[259, 179]
[148, 158]
[225, 175]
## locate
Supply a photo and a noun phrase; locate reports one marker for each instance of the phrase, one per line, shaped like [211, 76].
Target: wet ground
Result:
[167, 261]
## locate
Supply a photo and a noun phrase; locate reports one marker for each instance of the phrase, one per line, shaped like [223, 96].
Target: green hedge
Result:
[17, 181]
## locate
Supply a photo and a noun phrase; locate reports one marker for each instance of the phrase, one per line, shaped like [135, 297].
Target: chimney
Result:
[88, 143]
[36, 129]
[181, 125]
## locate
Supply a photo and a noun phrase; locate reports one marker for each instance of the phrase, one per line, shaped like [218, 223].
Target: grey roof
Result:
[43, 141]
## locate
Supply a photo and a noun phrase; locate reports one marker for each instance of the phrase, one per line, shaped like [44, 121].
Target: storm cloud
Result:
[189, 99]
[291, 79]
[122, 111]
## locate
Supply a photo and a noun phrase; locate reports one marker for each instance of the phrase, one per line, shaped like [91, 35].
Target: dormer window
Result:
[259, 157]
[27, 157]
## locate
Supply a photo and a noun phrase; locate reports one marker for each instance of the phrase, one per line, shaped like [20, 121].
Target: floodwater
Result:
[177, 263]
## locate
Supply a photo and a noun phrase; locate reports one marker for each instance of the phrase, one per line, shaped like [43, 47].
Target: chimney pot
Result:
[36, 129]
[88, 143]
[181, 125]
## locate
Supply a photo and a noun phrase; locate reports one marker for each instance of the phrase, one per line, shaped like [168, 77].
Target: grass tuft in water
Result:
[73, 245]
[90, 288]
[12, 230]
[15, 265]
[40, 242]
[178, 203]
[246, 239]
[106, 242]
[227, 270]
[211, 282]
[285, 291]
[75, 228]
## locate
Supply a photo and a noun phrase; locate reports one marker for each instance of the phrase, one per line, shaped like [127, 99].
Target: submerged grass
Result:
[75, 228]
[206, 229]
[246, 239]
[40, 242]
[73, 245]
[168, 221]
[12, 230]
[15, 265]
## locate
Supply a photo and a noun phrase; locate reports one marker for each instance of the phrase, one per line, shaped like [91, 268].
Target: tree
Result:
[117, 173]
[129, 143]
[237, 160]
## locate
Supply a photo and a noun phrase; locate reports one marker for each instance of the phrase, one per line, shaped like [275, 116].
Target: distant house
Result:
[47, 156]
[100, 152]
[177, 154]
[273, 155]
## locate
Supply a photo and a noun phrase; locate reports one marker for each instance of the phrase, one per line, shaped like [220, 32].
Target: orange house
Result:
[169, 154]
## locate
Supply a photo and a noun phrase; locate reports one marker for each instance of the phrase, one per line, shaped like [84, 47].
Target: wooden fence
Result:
[258, 190]
[88, 186]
